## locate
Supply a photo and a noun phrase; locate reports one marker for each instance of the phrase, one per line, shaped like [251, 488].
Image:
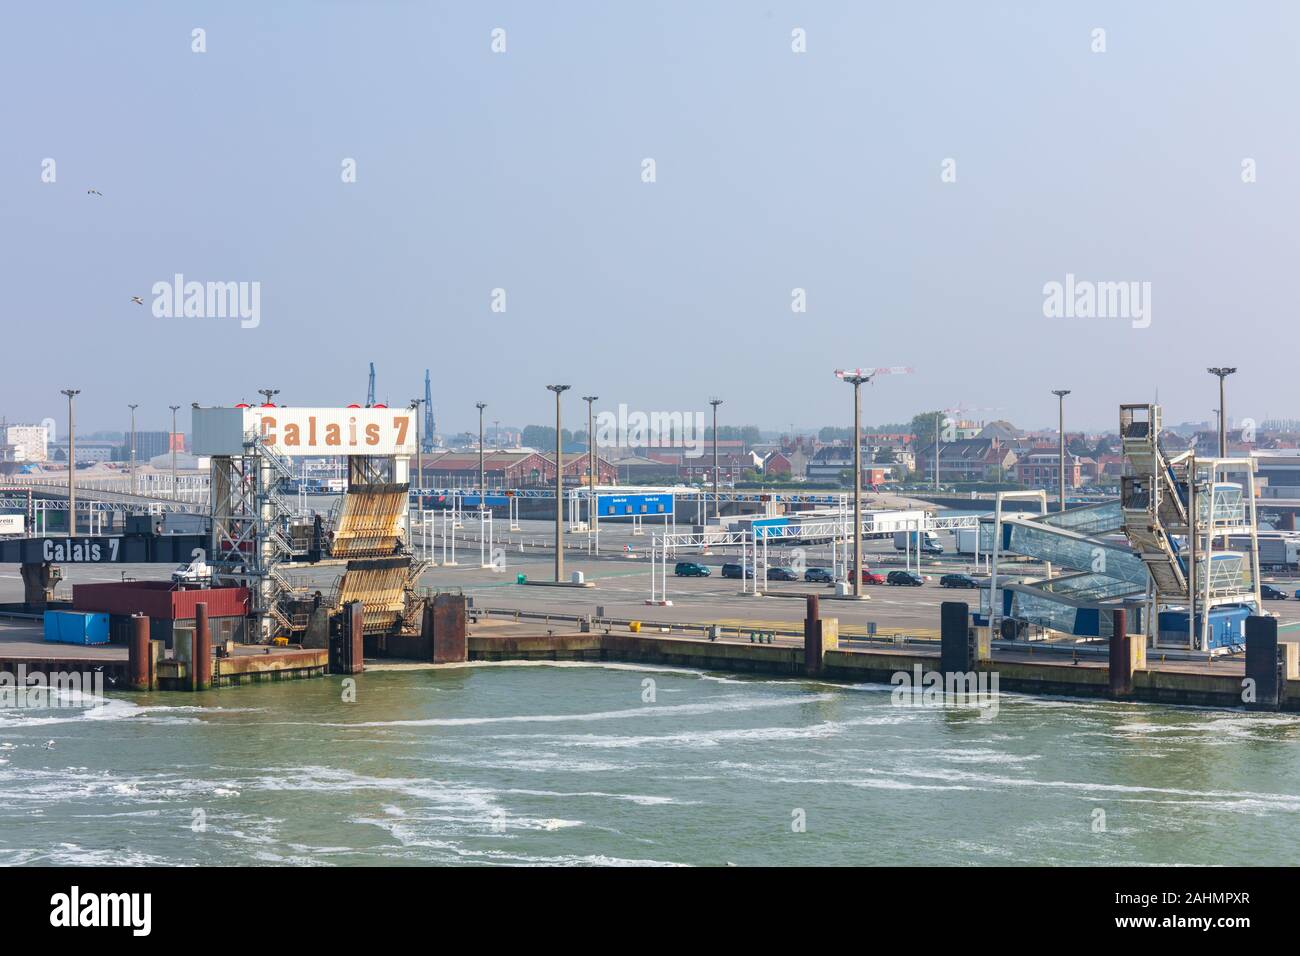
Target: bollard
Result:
[956, 648]
[426, 629]
[1262, 664]
[450, 633]
[201, 664]
[1121, 656]
[812, 637]
[139, 671]
[347, 645]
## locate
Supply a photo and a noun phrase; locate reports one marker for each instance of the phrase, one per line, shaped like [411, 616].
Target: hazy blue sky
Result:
[775, 170]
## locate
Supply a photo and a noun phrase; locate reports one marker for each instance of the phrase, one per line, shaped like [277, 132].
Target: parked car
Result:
[689, 569]
[781, 574]
[871, 577]
[1270, 593]
[734, 571]
[958, 581]
[909, 579]
[819, 576]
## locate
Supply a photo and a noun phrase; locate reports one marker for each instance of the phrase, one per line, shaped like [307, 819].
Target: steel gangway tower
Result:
[1179, 514]
[251, 519]
[1154, 501]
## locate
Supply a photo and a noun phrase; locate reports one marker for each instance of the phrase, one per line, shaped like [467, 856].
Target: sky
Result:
[922, 171]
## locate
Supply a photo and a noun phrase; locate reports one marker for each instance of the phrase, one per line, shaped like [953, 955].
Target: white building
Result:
[30, 442]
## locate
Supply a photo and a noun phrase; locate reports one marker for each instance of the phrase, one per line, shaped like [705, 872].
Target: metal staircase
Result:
[1153, 502]
[1177, 509]
[1163, 546]
[279, 462]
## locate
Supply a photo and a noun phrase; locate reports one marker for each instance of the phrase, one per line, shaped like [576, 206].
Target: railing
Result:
[279, 617]
[281, 464]
[793, 629]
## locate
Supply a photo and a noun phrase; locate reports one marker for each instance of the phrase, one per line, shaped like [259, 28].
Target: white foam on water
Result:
[267, 856]
[454, 851]
[977, 755]
[252, 829]
[1237, 726]
[598, 665]
[645, 801]
[861, 783]
[886, 783]
[323, 850]
[533, 762]
[47, 785]
[1280, 801]
[721, 737]
[567, 860]
[100, 709]
[649, 710]
[465, 801]
[404, 833]
[72, 854]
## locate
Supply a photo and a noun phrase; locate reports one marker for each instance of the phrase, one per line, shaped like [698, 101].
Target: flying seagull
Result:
[137, 300]
[93, 192]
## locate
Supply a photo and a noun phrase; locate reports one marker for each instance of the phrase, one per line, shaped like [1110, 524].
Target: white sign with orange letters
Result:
[306, 431]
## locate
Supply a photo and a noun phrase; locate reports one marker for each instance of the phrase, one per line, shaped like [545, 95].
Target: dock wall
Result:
[1048, 677]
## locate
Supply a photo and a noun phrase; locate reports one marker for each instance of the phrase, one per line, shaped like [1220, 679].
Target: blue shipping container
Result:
[76, 627]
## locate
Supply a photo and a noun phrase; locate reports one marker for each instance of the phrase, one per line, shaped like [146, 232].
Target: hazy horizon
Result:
[775, 170]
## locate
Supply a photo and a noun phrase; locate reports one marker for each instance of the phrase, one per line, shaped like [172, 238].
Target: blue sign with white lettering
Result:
[625, 506]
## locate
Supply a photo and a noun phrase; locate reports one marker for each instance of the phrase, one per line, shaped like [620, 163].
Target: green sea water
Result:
[554, 764]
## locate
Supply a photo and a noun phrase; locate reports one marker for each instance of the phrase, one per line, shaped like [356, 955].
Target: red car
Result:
[871, 577]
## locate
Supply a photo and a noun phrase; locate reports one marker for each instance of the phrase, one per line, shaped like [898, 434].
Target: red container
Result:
[158, 599]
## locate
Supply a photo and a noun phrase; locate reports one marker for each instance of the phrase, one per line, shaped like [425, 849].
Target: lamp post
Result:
[419, 451]
[856, 381]
[559, 486]
[1222, 373]
[937, 416]
[1060, 394]
[482, 474]
[591, 467]
[133, 408]
[171, 440]
[717, 502]
[268, 393]
[856, 377]
[72, 457]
